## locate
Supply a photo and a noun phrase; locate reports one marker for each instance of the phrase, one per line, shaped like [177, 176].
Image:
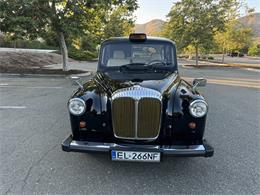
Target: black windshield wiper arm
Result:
[159, 65]
[133, 66]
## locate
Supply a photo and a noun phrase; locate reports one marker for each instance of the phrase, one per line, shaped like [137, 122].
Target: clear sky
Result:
[158, 9]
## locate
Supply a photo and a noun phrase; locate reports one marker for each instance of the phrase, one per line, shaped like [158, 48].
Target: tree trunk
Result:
[64, 51]
[197, 55]
[223, 55]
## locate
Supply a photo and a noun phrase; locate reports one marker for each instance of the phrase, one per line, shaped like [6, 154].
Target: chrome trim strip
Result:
[167, 149]
[136, 118]
[136, 92]
[204, 149]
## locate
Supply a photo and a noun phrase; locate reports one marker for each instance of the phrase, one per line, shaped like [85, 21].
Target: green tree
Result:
[255, 49]
[194, 22]
[30, 19]
[234, 38]
[120, 22]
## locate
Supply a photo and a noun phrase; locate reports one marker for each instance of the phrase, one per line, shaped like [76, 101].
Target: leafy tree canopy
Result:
[30, 19]
[194, 22]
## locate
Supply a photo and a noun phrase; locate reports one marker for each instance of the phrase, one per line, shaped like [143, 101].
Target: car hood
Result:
[105, 83]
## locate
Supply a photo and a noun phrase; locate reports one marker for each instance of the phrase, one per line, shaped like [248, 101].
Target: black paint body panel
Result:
[177, 95]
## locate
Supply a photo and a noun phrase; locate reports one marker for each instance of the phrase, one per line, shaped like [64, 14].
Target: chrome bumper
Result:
[204, 149]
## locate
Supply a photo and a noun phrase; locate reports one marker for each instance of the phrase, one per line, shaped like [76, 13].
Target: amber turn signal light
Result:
[137, 37]
[82, 124]
[192, 125]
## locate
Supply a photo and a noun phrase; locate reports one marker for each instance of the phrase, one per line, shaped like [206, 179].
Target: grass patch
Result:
[80, 55]
[26, 44]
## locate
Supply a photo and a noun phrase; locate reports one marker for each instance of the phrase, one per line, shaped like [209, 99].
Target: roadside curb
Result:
[222, 66]
[46, 75]
[83, 74]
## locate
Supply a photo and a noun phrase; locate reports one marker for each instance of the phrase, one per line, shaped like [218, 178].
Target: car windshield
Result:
[137, 55]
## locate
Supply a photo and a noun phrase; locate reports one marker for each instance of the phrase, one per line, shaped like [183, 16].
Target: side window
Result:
[168, 54]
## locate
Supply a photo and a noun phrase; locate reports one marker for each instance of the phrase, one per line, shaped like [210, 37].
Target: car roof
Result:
[149, 38]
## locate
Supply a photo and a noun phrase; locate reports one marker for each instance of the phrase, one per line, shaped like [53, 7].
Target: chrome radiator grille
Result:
[136, 113]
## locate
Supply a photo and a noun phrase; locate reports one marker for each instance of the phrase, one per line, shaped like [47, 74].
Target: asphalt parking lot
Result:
[34, 121]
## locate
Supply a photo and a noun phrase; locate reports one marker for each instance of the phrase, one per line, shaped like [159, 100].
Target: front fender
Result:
[181, 116]
[97, 115]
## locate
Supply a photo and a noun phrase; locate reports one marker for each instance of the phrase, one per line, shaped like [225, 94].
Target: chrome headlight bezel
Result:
[79, 101]
[196, 102]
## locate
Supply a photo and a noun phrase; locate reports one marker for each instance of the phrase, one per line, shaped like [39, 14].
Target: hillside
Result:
[154, 26]
[151, 28]
[252, 21]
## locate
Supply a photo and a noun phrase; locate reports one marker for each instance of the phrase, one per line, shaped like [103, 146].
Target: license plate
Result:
[135, 156]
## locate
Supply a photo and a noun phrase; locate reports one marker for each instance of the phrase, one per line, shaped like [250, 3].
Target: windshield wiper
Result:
[133, 66]
[159, 64]
[160, 67]
[156, 67]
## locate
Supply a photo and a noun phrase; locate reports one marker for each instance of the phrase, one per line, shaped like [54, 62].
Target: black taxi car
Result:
[136, 107]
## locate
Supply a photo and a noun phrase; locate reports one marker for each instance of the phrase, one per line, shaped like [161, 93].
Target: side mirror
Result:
[199, 82]
[76, 80]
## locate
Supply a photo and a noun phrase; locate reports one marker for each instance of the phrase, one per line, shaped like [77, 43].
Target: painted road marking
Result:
[250, 83]
[252, 69]
[33, 87]
[12, 107]
[237, 79]
[43, 87]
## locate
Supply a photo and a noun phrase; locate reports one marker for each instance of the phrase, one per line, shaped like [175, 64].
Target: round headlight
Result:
[198, 108]
[77, 106]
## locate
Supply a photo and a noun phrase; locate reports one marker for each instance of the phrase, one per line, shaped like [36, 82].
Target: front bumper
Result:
[204, 149]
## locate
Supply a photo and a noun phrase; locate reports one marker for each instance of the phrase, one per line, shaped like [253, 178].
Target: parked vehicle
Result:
[137, 107]
[235, 54]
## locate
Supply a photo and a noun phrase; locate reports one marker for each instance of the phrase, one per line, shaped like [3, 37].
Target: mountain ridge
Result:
[154, 26]
[151, 28]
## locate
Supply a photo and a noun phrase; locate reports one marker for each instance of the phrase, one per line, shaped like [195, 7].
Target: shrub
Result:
[28, 44]
[254, 51]
[81, 55]
[183, 56]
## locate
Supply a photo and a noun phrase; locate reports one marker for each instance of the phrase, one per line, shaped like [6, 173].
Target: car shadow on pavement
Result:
[195, 171]
[169, 162]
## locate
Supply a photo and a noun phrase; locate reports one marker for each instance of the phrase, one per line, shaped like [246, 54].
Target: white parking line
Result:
[251, 69]
[34, 75]
[12, 107]
[42, 87]
[36, 87]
